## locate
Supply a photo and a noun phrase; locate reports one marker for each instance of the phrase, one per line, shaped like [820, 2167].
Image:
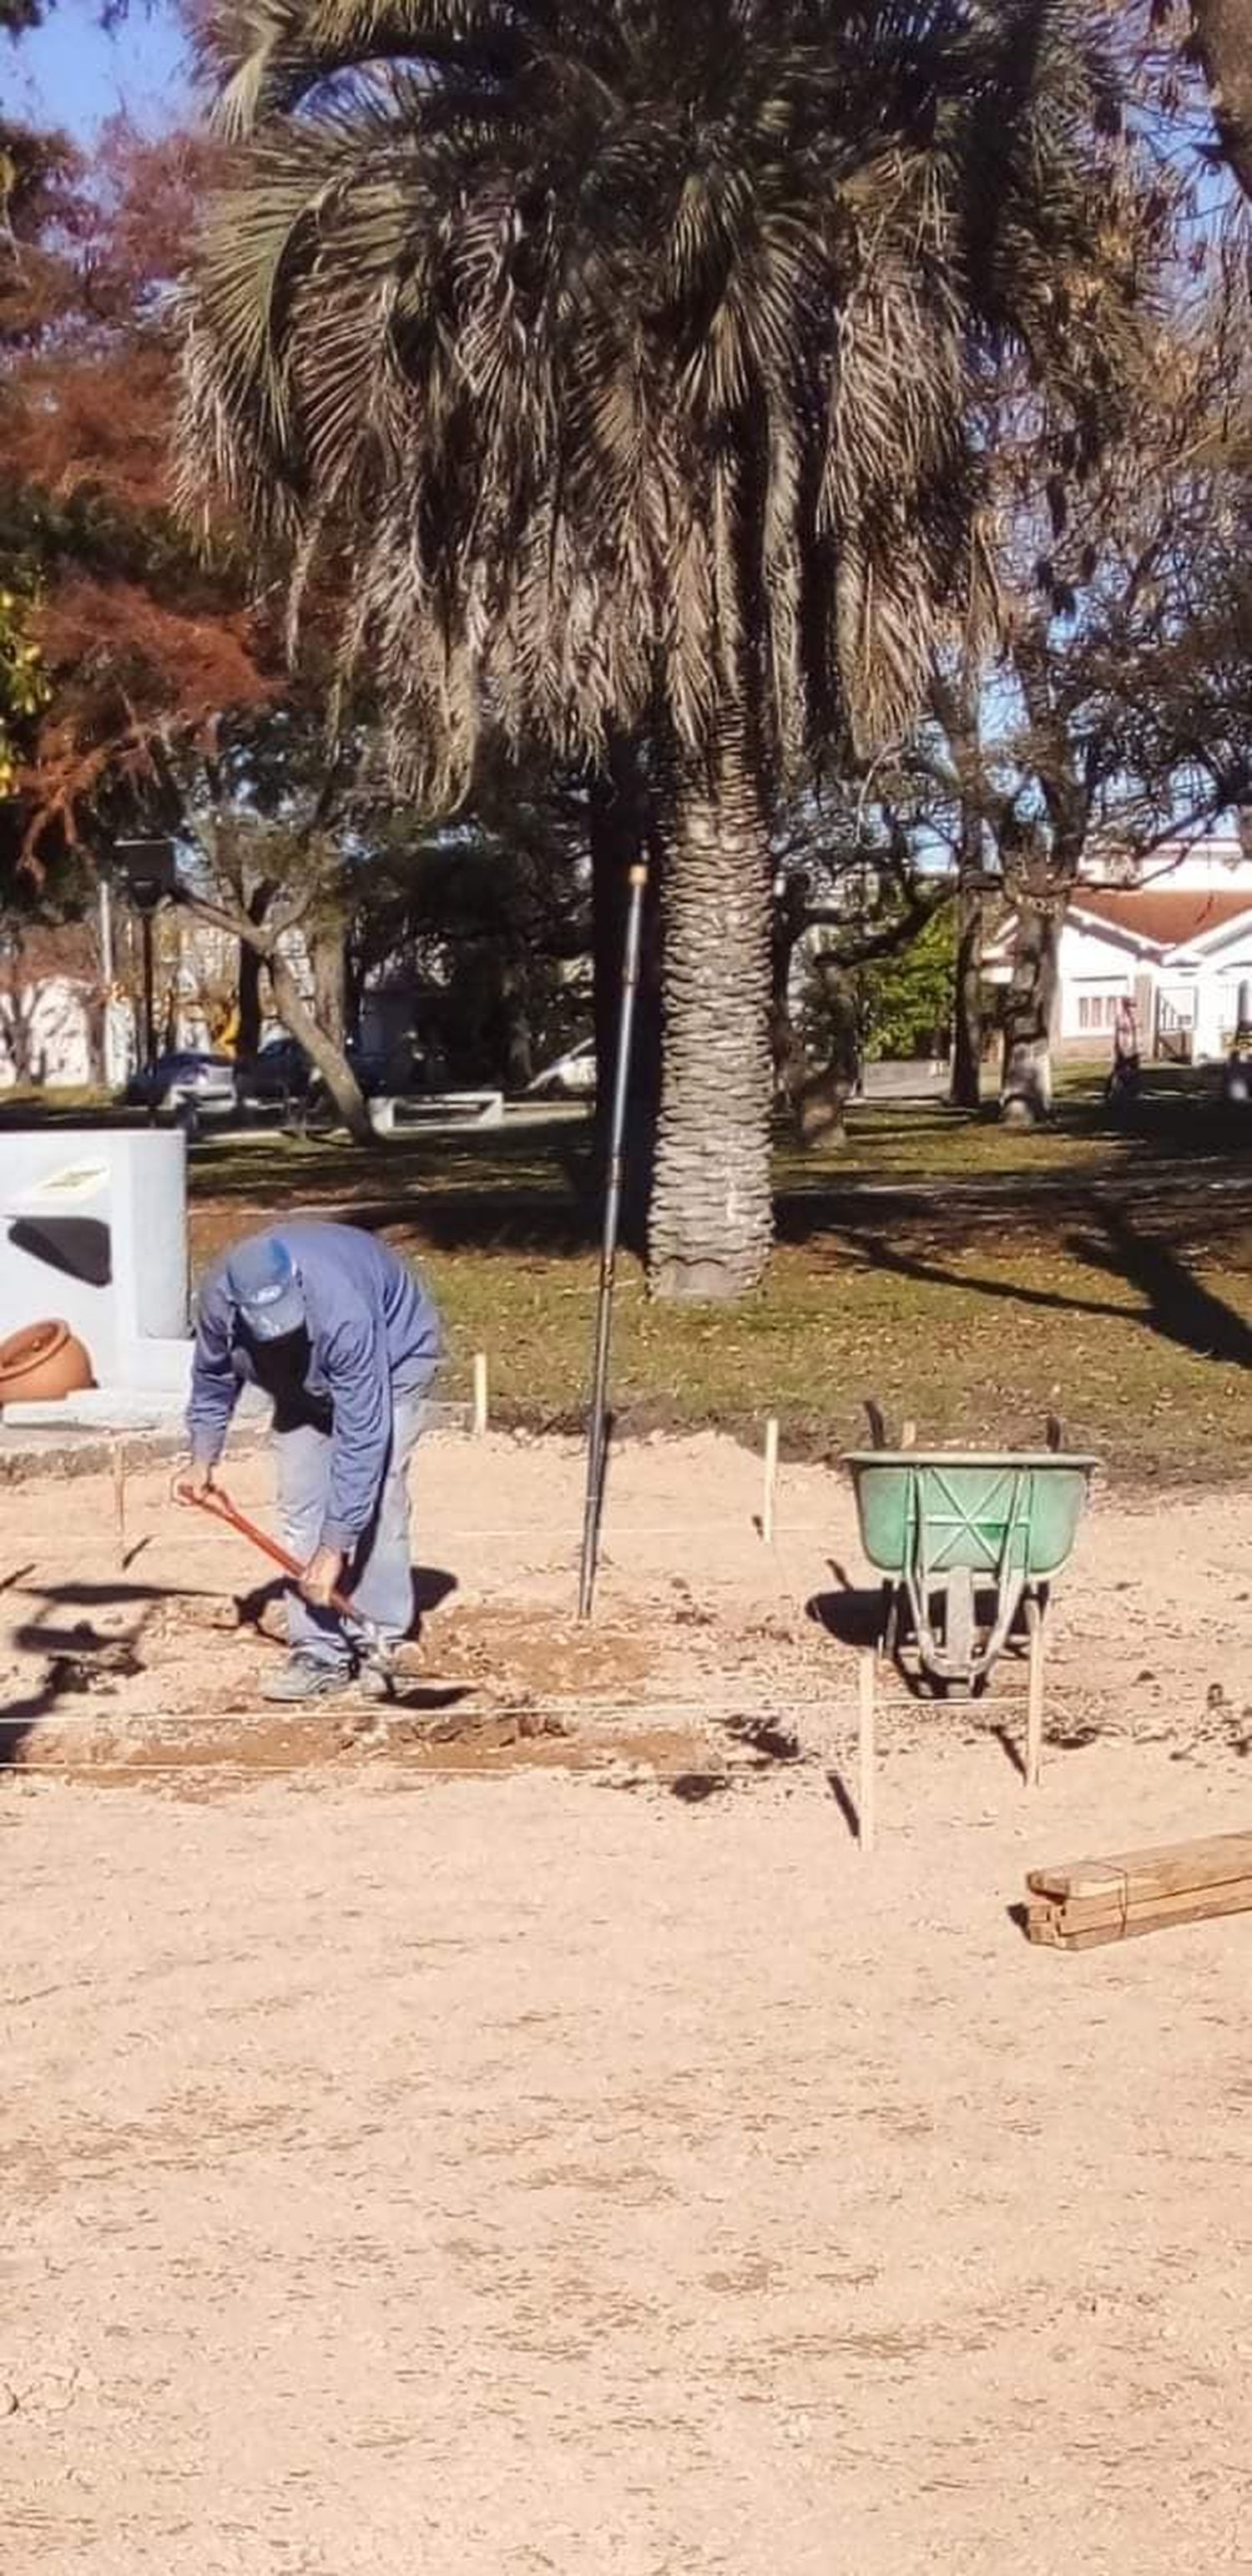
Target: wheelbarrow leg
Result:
[958, 1623]
[867, 1690]
[1034, 1690]
[890, 1620]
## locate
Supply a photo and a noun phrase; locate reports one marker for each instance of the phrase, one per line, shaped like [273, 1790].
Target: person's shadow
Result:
[431, 1587]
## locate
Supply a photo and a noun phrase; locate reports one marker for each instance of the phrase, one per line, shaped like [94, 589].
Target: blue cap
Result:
[261, 1277]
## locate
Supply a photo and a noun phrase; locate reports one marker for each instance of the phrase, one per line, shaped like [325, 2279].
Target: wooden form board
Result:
[1084, 1903]
[1160, 1871]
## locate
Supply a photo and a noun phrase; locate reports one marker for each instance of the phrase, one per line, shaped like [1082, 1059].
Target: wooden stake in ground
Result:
[480, 1395]
[770, 1495]
[1083, 1903]
[867, 1692]
[1034, 1693]
[119, 1501]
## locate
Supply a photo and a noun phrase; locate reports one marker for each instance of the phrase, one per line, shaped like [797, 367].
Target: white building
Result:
[64, 1025]
[1176, 941]
[49, 1010]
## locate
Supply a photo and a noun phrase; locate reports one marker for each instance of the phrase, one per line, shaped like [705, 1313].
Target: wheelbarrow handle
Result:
[220, 1508]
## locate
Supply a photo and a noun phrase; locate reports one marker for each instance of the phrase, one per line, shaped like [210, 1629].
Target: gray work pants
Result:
[380, 1575]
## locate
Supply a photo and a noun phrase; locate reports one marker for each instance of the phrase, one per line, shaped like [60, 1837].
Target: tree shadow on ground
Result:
[1176, 1305]
[491, 1221]
[1013, 1292]
[536, 1172]
[503, 1219]
[78, 1658]
[960, 1206]
[537, 1189]
[1179, 1307]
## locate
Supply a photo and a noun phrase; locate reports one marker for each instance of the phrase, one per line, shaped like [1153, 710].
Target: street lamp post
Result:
[146, 868]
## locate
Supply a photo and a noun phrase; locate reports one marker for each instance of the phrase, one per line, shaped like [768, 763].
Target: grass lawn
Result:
[968, 1277]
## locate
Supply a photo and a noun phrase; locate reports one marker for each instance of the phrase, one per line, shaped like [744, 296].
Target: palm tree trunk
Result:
[1026, 1087]
[711, 1215]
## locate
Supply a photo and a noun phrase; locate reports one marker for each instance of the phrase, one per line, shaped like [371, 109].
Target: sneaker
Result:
[303, 1677]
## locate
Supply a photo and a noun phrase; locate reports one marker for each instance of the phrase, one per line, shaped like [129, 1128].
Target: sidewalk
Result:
[27, 1454]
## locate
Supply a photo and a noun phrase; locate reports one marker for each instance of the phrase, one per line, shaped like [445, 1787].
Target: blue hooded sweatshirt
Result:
[373, 1333]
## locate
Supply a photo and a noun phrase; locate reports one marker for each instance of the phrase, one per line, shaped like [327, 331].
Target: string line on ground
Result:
[47, 1769]
[744, 1525]
[756, 1712]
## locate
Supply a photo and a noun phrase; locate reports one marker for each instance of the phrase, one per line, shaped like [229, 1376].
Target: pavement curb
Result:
[51, 1456]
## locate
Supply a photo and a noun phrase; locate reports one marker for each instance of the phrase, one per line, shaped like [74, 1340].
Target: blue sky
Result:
[70, 73]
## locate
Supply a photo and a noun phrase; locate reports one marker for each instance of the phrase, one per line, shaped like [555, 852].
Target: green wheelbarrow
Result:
[966, 1542]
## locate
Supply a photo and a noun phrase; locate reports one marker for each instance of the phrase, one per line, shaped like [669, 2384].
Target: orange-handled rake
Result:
[220, 1508]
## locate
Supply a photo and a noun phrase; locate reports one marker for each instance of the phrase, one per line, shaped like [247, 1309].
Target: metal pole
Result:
[149, 994]
[596, 1428]
[106, 934]
[106, 983]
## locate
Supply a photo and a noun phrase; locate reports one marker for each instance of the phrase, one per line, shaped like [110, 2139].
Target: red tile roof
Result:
[1165, 916]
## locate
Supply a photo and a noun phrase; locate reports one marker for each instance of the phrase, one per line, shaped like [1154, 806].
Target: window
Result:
[1099, 1010]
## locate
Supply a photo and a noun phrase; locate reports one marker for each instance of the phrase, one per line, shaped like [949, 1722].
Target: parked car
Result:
[185, 1078]
[281, 1071]
[572, 1077]
[373, 1068]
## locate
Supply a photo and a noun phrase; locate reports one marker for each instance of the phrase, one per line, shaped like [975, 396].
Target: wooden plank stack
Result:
[1086, 1902]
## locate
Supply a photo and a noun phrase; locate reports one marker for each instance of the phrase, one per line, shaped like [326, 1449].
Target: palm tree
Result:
[630, 354]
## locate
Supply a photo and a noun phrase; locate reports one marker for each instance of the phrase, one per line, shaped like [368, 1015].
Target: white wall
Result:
[45, 1035]
[1218, 982]
[1096, 971]
[121, 1042]
[1218, 865]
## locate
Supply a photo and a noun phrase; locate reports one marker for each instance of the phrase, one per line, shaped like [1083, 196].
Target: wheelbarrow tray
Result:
[989, 1511]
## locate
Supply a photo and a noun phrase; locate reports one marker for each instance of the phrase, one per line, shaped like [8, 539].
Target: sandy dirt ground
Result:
[549, 2143]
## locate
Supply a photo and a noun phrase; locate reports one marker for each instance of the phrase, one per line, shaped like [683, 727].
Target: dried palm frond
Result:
[636, 350]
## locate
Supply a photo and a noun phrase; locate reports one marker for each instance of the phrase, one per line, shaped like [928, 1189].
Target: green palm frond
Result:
[266, 56]
[636, 351]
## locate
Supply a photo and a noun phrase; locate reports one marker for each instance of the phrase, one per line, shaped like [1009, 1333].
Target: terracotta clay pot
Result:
[42, 1363]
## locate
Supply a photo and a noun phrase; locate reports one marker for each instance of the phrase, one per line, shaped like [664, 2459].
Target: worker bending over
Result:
[343, 1338]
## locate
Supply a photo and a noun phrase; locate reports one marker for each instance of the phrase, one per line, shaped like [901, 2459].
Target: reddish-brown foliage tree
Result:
[152, 649]
[140, 635]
